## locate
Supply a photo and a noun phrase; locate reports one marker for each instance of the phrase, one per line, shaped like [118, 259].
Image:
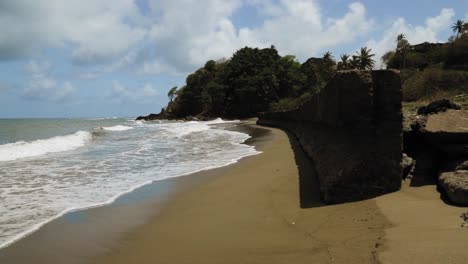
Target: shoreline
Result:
[163, 189]
[250, 212]
[258, 210]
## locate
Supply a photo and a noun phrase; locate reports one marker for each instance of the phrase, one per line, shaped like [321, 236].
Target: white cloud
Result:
[42, 86]
[65, 92]
[120, 93]
[156, 67]
[121, 63]
[179, 36]
[185, 39]
[97, 29]
[414, 34]
[300, 29]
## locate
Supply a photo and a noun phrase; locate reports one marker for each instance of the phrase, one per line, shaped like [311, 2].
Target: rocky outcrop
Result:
[150, 117]
[438, 106]
[352, 130]
[438, 141]
[407, 165]
[166, 115]
[455, 186]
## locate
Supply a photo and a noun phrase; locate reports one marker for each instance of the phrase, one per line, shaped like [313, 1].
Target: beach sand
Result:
[254, 211]
[250, 213]
[424, 229]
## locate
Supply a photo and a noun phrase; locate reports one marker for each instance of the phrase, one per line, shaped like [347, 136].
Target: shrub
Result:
[425, 84]
[289, 103]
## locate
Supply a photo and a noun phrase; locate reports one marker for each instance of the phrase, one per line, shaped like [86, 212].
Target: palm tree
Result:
[400, 37]
[172, 92]
[365, 59]
[328, 65]
[354, 62]
[402, 48]
[458, 27]
[344, 64]
[328, 57]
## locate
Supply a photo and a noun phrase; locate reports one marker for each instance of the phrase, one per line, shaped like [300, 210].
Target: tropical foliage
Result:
[255, 80]
[428, 69]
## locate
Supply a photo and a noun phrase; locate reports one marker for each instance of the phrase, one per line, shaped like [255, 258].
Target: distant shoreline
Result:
[85, 221]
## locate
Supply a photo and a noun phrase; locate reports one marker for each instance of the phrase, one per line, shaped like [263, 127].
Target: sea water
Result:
[49, 167]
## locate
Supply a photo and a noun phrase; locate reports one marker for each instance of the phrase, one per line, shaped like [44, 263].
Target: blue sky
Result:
[95, 58]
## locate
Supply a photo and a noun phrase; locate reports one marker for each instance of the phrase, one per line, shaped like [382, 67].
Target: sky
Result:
[105, 58]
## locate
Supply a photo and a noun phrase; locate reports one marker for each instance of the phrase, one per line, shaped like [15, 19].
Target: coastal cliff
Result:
[352, 131]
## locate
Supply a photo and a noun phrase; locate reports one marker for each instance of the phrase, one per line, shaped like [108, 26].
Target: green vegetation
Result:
[432, 70]
[364, 59]
[256, 80]
[172, 92]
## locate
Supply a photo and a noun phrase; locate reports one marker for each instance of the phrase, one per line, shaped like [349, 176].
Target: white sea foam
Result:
[221, 121]
[22, 149]
[118, 128]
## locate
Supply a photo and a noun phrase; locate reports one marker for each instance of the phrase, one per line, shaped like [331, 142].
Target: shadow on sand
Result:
[309, 190]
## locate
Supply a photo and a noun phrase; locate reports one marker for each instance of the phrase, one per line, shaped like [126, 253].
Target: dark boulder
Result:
[455, 186]
[438, 106]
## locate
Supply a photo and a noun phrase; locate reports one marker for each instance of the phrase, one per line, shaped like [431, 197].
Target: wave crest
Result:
[22, 149]
[117, 128]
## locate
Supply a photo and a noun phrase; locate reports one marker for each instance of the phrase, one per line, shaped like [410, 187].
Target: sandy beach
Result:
[254, 211]
[250, 213]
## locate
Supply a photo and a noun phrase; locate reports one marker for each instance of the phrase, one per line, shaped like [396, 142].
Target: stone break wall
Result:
[352, 131]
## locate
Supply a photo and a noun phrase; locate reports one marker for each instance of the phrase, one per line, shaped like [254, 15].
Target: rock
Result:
[418, 124]
[437, 142]
[462, 166]
[407, 165]
[438, 106]
[150, 117]
[455, 186]
[464, 217]
[451, 121]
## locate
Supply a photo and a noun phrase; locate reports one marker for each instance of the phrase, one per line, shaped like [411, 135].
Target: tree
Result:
[328, 57]
[328, 66]
[210, 65]
[388, 57]
[458, 27]
[402, 49]
[365, 60]
[400, 37]
[345, 63]
[172, 92]
[402, 43]
[252, 81]
[354, 62]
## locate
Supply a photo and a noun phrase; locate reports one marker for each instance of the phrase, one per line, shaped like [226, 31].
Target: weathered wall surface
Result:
[352, 130]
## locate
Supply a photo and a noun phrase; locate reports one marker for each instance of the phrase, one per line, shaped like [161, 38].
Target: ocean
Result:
[49, 167]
